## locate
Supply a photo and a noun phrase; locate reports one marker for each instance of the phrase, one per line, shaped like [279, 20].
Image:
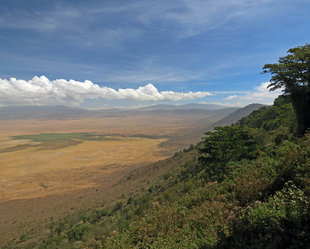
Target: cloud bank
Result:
[42, 91]
[260, 94]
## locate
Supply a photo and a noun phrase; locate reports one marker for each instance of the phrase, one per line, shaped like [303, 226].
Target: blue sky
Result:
[209, 51]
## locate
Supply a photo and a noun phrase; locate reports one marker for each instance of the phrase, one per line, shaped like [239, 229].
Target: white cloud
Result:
[42, 91]
[231, 97]
[260, 94]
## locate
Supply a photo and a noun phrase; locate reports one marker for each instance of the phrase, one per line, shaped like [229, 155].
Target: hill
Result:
[237, 115]
[191, 106]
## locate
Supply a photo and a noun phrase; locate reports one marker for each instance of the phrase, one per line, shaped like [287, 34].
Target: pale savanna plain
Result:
[52, 165]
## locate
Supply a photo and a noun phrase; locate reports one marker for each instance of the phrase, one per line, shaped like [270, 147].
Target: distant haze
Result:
[229, 115]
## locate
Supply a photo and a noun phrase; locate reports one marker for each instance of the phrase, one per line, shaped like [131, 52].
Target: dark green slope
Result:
[237, 115]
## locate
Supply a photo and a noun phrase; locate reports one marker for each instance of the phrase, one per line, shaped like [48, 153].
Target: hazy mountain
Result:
[206, 111]
[191, 106]
[52, 112]
[65, 112]
[237, 115]
[41, 112]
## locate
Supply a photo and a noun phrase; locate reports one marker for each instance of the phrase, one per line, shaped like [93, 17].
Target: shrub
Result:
[77, 232]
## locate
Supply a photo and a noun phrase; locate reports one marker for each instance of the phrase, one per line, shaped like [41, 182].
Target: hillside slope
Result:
[237, 115]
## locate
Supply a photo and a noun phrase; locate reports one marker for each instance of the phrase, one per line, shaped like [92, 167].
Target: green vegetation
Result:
[292, 74]
[63, 137]
[226, 144]
[47, 141]
[148, 136]
[244, 186]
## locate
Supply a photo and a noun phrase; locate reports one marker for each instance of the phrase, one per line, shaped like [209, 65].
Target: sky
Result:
[102, 54]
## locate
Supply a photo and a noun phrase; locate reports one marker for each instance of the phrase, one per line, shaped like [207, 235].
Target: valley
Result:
[52, 167]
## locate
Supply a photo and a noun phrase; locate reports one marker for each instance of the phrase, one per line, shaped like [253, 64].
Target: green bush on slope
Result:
[231, 196]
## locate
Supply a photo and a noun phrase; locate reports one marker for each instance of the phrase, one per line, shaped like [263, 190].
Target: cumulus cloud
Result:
[42, 91]
[260, 94]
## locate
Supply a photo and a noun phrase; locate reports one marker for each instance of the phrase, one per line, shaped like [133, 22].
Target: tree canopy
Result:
[229, 143]
[292, 74]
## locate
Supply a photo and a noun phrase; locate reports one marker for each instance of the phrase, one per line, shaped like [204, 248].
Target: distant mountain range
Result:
[65, 112]
[191, 106]
[227, 115]
[41, 112]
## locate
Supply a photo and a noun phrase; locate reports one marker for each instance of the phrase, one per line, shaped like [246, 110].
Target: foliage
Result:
[277, 118]
[281, 222]
[77, 232]
[223, 145]
[292, 74]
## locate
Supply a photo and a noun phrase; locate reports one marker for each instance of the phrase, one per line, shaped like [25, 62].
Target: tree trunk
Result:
[301, 104]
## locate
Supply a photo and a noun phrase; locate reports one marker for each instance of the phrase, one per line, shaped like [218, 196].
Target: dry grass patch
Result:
[64, 162]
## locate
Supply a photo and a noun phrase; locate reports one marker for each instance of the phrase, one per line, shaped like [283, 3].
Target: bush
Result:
[282, 222]
[77, 232]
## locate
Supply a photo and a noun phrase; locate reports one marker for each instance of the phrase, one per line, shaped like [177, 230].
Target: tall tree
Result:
[223, 145]
[292, 74]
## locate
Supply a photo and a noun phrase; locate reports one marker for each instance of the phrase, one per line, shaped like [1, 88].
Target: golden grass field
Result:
[31, 168]
[32, 172]
[79, 162]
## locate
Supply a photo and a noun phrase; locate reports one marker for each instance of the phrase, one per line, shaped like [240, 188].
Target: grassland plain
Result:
[52, 167]
[53, 163]
[61, 166]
